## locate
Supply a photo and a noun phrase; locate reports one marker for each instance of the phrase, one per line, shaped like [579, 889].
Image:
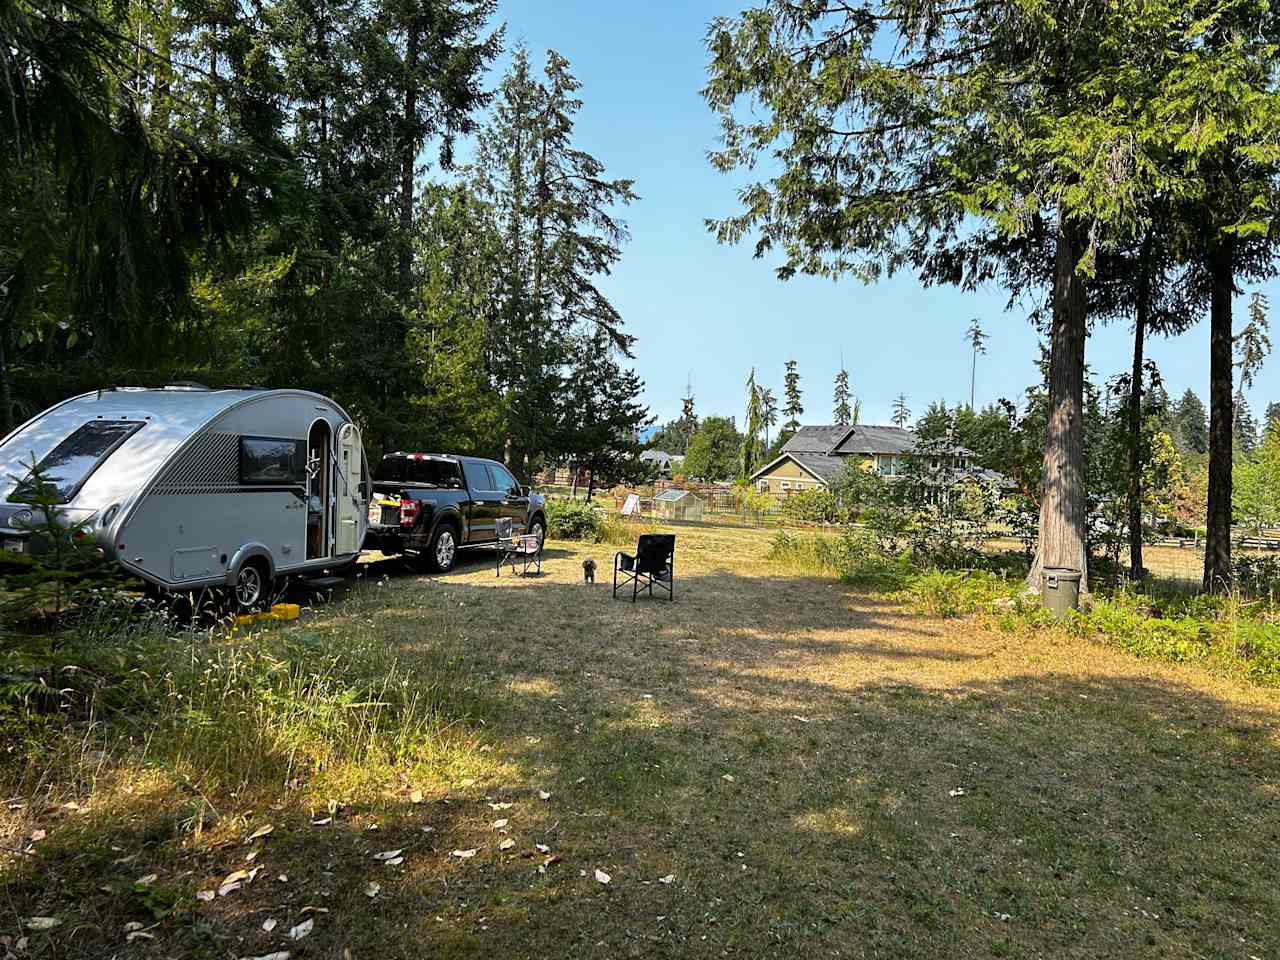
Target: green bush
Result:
[1258, 576]
[573, 520]
[813, 506]
[850, 554]
[957, 594]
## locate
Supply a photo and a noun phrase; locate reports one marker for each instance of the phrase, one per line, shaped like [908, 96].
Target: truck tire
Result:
[538, 527]
[443, 552]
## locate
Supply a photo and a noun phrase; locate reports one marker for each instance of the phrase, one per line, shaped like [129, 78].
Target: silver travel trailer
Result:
[192, 487]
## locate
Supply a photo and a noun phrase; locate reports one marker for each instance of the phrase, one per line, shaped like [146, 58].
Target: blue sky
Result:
[710, 313]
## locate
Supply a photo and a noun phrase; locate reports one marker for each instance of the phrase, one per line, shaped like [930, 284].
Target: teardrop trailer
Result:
[190, 487]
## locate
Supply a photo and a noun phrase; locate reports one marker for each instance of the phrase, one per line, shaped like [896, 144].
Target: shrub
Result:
[850, 554]
[573, 520]
[950, 594]
[814, 506]
[1258, 576]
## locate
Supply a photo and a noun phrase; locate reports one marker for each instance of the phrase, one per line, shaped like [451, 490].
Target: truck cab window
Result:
[68, 465]
[503, 482]
[477, 475]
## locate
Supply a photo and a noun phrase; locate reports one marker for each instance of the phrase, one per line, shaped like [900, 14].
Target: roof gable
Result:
[820, 466]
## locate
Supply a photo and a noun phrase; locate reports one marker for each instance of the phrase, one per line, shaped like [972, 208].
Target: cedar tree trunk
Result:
[1135, 422]
[1062, 503]
[1217, 548]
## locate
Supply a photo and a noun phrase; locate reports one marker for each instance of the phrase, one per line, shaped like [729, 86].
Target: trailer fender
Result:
[247, 552]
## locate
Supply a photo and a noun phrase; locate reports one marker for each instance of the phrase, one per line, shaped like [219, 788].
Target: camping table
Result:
[525, 550]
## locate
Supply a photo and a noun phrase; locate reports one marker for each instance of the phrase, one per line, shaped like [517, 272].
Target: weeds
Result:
[218, 709]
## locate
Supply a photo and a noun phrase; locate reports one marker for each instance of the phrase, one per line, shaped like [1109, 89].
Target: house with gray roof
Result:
[815, 456]
[664, 463]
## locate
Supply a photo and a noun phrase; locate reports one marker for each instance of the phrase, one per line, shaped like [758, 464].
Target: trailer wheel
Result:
[444, 549]
[252, 585]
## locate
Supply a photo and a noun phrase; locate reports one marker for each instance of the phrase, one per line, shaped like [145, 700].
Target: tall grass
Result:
[223, 710]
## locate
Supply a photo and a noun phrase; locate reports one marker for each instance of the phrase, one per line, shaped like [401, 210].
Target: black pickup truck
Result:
[432, 506]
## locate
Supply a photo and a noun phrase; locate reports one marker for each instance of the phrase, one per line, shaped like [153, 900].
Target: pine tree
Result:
[843, 413]
[551, 200]
[901, 412]
[1193, 423]
[791, 391]
[688, 416]
[1246, 428]
[1272, 416]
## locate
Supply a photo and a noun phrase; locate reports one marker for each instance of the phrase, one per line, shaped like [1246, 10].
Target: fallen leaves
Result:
[388, 855]
[668, 879]
[301, 930]
[957, 792]
[544, 794]
[602, 877]
[506, 844]
[727, 777]
[259, 833]
[416, 796]
[500, 824]
[205, 895]
[41, 923]
[464, 854]
[372, 889]
[269, 924]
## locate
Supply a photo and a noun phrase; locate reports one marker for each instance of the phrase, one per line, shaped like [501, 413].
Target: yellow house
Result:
[815, 456]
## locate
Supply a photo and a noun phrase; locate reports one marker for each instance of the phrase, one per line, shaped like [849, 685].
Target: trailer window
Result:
[68, 465]
[268, 461]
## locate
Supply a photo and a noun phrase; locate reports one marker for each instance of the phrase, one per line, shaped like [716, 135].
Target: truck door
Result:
[348, 490]
[514, 503]
[486, 504]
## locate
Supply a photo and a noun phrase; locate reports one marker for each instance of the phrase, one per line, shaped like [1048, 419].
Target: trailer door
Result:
[350, 493]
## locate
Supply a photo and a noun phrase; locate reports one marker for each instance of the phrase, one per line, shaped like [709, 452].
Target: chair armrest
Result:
[628, 561]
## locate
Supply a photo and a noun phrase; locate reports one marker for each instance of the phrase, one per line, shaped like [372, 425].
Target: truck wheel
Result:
[444, 549]
[252, 585]
[539, 529]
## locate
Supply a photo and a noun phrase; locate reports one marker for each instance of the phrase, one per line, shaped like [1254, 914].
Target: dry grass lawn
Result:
[772, 766]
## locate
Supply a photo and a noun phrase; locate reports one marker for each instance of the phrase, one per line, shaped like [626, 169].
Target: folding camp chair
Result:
[654, 562]
[525, 550]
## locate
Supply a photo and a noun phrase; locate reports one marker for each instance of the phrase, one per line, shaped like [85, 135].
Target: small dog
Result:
[588, 571]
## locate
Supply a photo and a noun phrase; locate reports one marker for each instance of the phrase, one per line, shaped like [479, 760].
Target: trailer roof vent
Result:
[185, 385]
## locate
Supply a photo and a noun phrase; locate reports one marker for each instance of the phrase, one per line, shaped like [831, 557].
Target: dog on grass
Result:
[588, 571]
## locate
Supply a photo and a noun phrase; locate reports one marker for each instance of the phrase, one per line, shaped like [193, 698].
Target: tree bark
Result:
[407, 162]
[1135, 420]
[1217, 549]
[1062, 504]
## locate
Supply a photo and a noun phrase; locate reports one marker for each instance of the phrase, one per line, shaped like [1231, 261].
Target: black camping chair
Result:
[654, 562]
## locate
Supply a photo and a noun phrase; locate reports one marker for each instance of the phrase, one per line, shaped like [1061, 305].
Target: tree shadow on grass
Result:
[819, 772]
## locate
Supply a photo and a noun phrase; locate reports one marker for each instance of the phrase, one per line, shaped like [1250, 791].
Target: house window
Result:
[786, 484]
[762, 486]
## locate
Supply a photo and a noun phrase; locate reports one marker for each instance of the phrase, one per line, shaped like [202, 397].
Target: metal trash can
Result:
[1060, 590]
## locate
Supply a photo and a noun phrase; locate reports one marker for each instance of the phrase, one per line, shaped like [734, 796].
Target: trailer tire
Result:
[443, 552]
[253, 585]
